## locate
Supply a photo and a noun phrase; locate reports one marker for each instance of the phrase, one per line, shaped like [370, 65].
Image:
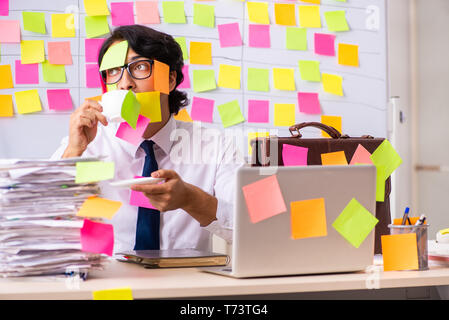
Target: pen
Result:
[421, 220]
[405, 217]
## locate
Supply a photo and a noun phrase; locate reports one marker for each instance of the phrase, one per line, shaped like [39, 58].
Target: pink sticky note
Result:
[309, 103]
[264, 199]
[258, 110]
[325, 44]
[185, 84]
[27, 73]
[4, 7]
[127, 133]
[202, 109]
[259, 35]
[147, 12]
[93, 78]
[59, 99]
[97, 237]
[294, 155]
[361, 155]
[92, 48]
[9, 31]
[139, 199]
[229, 35]
[122, 13]
[59, 52]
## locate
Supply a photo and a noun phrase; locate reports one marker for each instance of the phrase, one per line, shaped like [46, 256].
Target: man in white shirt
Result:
[198, 165]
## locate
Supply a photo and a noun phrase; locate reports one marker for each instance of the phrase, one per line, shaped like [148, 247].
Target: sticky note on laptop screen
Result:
[308, 218]
[400, 252]
[355, 223]
[264, 199]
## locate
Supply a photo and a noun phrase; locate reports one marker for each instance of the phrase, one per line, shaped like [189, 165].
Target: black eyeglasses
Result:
[139, 70]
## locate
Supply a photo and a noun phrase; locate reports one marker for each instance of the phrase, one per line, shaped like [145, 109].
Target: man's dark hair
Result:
[156, 45]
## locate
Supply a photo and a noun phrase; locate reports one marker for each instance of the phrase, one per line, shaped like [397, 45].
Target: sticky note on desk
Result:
[113, 294]
[400, 252]
[385, 155]
[93, 171]
[355, 223]
[333, 158]
[264, 199]
[308, 218]
[96, 207]
[115, 56]
[97, 237]
[294, 155]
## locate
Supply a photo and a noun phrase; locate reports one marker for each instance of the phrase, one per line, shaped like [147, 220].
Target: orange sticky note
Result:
[361, 156]
[400, 252]
[200, 53]
[332, 121]
[398, 221]
[6, 77]
[308, 218]
[264, 199]
[95, 207]
[183, 115]
[285, 14]
[6, 107]
[333, 158]
[161, 77]
[348, 55]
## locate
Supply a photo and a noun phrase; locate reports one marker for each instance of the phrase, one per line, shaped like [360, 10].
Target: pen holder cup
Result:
[421, 239]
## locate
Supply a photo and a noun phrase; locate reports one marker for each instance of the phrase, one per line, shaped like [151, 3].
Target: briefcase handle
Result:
[331, 131]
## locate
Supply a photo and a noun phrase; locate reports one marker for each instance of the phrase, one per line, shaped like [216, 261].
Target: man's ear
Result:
[172, 80]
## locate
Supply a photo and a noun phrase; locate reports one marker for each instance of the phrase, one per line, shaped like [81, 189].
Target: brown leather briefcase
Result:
[261, 156]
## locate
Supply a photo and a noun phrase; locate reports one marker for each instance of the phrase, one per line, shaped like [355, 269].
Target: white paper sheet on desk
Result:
[44, 222]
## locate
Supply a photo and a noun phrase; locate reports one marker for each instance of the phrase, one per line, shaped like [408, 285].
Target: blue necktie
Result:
[148, 220]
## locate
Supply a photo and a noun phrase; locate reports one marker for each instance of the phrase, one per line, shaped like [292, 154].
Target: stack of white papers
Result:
[39, 229]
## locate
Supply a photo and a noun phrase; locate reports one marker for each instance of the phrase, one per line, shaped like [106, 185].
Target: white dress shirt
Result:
[202, 157]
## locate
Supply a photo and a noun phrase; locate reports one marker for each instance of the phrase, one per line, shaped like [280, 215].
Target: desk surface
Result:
[190, 282]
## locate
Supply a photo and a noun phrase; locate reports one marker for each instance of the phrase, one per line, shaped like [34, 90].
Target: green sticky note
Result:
[204, 15]
[380, 183]
[130, 109]
[53, 72]
[336, 20]
[355, 223]
[115, 56]
[93, 171]
[183, 44]
[296, 38]
[34, 21]
[230, 113]
[386, 156]
[173, 12]
[96, 26]
[204, 80]
[258, 79]
[310, 70]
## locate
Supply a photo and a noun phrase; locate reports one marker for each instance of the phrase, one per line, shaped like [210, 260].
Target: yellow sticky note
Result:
[312, 1]
[229, 76]
[6, 107]
[113, 294]
[95, 207]
[96, 7]
[380, 183]
[28, 101]
[200, 53]
[332, 84]
[284, 114]
[258, 12]
[6, 77]
[332, 121]
[150, 105]
[284, 79]
[251, 136]
[183, 115]
[308, 218]
[63, 25]
[285, 14]
[334, 158]
[309, 16]
[348, 54]
[32, 51]
[400, 252]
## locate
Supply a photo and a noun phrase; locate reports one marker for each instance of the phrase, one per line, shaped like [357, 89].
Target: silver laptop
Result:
[266, 248]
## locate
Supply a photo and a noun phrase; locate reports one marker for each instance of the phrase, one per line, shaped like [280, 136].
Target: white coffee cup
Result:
[112, 102]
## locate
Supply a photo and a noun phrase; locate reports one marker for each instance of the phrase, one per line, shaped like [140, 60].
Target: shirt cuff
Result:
[223, 226]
